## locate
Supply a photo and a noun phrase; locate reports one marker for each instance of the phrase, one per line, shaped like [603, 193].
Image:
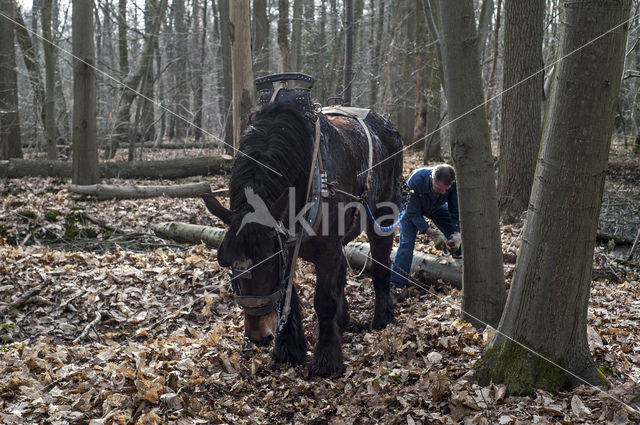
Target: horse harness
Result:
[295, 87]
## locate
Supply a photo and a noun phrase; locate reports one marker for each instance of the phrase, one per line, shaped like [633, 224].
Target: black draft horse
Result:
[281, 138]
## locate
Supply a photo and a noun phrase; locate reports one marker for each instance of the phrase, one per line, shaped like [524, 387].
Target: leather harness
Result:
[295, 87]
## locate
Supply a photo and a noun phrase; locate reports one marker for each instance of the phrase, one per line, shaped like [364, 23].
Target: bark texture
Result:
[85, 148]
[169, 169]
[241, 66]
[547, 305]
[104, 191]
[521, 105]
[483, 280]
[10, 146]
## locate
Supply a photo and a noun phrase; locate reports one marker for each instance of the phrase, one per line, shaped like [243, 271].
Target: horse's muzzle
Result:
[260, 329]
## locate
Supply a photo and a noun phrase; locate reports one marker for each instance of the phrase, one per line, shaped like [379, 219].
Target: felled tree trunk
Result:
[431, 268]
[105, 191]
[169, 169]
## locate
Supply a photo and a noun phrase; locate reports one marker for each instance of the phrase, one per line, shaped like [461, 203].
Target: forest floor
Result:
[129, 328]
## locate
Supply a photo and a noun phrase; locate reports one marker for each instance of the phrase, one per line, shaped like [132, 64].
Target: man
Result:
[435, 196]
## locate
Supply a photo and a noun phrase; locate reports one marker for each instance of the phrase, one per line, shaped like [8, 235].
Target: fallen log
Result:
[167, 169]
[105, 191]
[190, 233]
[604, 237]
[430, 268]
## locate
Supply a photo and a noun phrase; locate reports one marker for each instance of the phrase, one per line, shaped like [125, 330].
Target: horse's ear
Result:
[216, 208]
[279, 208]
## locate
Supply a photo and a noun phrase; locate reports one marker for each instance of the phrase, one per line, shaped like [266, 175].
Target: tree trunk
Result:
[123, 49]
[483, 280]
[547, 306]
[296, 37]
[260, 38]
[103, 191]
[85, 148]
[431, 268]
[167, 169]
[521, 105]
[283, 35]
[181, 69]
[484, 24]
[408, 83]
[30, 55]
[10, 143]
[348, 53]
[49, 81]
[227, 77]
[147, 120]
[376, 48]
[241, 65]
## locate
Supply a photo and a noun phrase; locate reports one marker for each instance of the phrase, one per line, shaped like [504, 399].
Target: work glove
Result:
[439, 241]
[454, 242]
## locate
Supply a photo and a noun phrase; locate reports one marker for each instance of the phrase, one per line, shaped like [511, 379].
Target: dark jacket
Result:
[425, 202]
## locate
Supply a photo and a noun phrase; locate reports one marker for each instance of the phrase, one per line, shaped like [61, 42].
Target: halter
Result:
[261, 305]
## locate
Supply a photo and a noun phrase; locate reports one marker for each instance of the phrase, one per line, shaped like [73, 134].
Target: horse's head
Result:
[254, 251]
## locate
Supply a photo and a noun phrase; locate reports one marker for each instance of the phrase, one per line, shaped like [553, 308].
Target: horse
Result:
[273, 162]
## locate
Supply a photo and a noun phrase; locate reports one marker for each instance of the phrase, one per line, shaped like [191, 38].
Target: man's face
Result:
[439, 187]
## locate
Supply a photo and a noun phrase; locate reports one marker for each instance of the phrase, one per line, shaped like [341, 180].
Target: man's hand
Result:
[454, 242]
[438, 239]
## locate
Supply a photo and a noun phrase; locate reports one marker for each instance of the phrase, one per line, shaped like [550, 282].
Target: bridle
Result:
[263, 304]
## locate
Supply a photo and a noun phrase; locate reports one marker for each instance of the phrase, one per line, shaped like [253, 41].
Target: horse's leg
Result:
[381, 245]
[291, 344]
[327, 355]
[343, 306]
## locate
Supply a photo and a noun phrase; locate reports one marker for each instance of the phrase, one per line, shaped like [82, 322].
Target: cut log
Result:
[430, 268]
[104, 191]
[190, 233]
[167, 169]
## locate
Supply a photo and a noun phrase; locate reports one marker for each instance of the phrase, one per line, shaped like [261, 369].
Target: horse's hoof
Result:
[326, 370]
[381, 321]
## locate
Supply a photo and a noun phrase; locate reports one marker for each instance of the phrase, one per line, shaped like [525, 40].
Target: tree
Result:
[241, 66]
[521, 105]
[30, 56]
[375, 46]
[260, 38]
[483, 281]
[85, 150]
[406, 120]
[348, 53]
[10, 143]
[226, 79]
[49, 81]
[180, 68]
[283, 34]
[198, 41]
[547, 306]
[296, 36]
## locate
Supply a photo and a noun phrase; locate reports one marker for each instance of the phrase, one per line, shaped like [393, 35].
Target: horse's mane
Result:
[280, 137]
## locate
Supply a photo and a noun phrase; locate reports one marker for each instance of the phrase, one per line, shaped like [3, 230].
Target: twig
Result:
[23, 299]
[98, 222]
[89, 326]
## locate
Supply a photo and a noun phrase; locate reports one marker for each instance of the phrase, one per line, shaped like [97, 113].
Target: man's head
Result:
[442, 178]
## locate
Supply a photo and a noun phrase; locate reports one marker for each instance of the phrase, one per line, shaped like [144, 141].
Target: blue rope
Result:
[385, 228]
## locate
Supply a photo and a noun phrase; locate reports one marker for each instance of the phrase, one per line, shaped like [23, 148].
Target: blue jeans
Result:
[408, 232]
